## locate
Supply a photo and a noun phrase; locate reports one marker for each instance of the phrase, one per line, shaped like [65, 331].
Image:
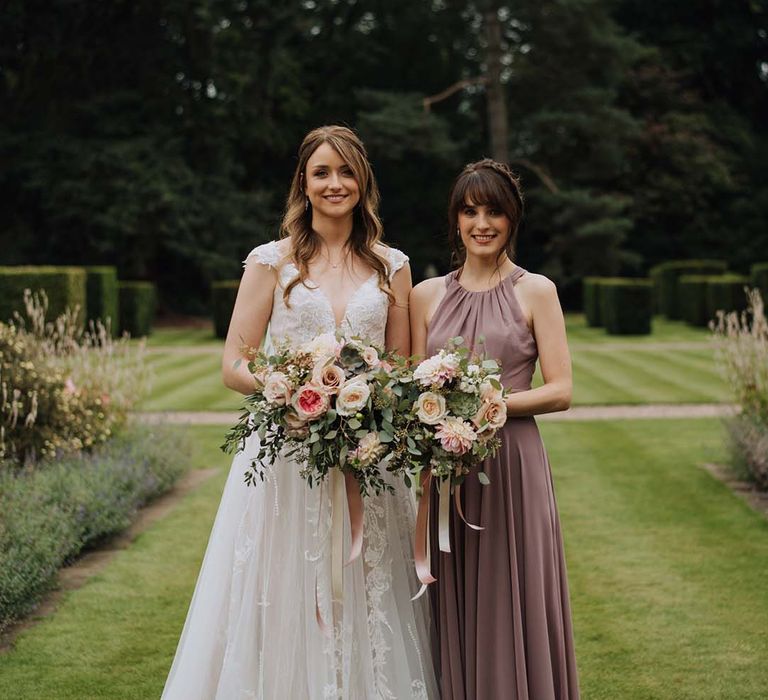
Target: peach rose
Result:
[455, 435]
[310, 402]
[491, 415]
[430, 407]
[330, 378]
[352, 398]
[277, 389]
[488, 392]
[296, 427]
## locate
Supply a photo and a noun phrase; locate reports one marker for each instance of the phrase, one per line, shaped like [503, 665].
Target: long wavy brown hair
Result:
[366, 228]
[490, 183]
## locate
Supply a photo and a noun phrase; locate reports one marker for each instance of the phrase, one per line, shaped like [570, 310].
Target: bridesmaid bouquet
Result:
[331, 402]
[458, 407]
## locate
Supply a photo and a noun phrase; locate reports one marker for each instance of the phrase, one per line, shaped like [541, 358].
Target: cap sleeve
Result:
[267, 254]
[396, 260]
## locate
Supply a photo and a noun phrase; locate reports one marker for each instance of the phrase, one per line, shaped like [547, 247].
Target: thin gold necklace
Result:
[335, 266]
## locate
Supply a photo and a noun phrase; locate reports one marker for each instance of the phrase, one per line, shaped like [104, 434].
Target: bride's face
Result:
[330, 184]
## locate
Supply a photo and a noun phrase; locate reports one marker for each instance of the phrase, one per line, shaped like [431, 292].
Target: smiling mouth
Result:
[484, 237]
[335, 198]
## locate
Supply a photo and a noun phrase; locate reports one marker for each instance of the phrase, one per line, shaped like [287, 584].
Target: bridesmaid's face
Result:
[484, 229]
[330, 184]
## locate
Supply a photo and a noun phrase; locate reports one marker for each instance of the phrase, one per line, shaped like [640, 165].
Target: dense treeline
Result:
[159, 136]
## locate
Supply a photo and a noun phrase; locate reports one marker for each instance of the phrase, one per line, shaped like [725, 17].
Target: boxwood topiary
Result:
[759, 278]
[223, 294]
[137, 302]
[591, 295]
[627, 305]
[726, 293]
[666, 276]
[693, 299]
[101, 290]
[64, 286]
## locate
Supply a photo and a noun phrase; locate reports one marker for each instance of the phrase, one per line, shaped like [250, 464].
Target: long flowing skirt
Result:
[251, 630]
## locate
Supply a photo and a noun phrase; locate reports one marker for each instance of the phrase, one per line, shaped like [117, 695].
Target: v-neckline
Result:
[338, 324]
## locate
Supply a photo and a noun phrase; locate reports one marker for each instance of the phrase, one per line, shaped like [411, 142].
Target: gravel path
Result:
[646, 411]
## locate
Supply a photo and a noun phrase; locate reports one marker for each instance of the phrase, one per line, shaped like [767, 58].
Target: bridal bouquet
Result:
[458, 407]
[332, 402]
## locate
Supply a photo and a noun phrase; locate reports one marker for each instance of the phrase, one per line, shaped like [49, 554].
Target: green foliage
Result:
[101, 293]
[759, 278]
[693, 299]
[592, 301]
[726, 293]
[666, 274]
[64, 287]
[223, 295]
[742, 344]
[47, 516]
[626, 306]
[62, 389]
[138, 301]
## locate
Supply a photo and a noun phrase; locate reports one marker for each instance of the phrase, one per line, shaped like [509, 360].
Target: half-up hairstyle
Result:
[485, 183]
[366, 226]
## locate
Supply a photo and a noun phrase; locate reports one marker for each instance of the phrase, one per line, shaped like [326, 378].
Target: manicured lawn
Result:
[666, 566]
[663, 331]
[602, 375]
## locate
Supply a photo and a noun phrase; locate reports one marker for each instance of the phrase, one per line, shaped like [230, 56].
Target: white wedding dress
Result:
[251, 630]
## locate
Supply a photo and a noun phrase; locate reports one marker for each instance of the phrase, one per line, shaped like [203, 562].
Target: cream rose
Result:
[368, 450]
[430, 408]
[329, 377]
[488, 392]
[371, 356]
[323, 346]
[310, 402]
[277, 389]
[352, 398]
[491, 415]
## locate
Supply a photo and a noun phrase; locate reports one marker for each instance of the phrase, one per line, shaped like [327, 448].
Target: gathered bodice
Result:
[310, 312]
[493, 314]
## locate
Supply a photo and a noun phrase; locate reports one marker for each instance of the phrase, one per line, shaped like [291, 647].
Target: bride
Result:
[252, 629]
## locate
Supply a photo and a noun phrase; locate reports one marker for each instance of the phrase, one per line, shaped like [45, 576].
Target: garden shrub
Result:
[591, 295]
[64, 287]
[626, 305]
[742, 353]
[101, 292]
[223, 295]
[693, 299]
[758, 276]
[726, 293]
[62, 388]
[137, 301]
[667, 274]
[50, 514]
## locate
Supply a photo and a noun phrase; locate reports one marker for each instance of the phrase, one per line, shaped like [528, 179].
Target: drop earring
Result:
[306, 203]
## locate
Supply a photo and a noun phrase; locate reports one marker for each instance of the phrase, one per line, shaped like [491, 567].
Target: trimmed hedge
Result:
[101, 291]
[759, 278]
[627, 305]
[591, 296]
[693, 299]
[223, 295]
[137, 302]
[51, 513]
[666, 276]
[64, 286]
[726, 293]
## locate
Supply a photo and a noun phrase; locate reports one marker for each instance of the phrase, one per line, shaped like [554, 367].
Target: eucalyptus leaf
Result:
[482, 477]
[385, 437]
[330, 434]
[354, 423]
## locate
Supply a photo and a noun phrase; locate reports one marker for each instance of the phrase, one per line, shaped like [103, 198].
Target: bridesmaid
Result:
[501, 598]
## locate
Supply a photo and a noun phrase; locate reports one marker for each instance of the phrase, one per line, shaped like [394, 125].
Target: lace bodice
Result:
[310, 313]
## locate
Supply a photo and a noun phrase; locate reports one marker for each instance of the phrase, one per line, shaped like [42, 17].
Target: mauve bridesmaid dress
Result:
[501, 598]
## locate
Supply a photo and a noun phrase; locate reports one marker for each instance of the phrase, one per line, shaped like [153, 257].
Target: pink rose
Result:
[277, 389]
[455, 435]
[330, 378]
[310, 402]
[386, 366]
